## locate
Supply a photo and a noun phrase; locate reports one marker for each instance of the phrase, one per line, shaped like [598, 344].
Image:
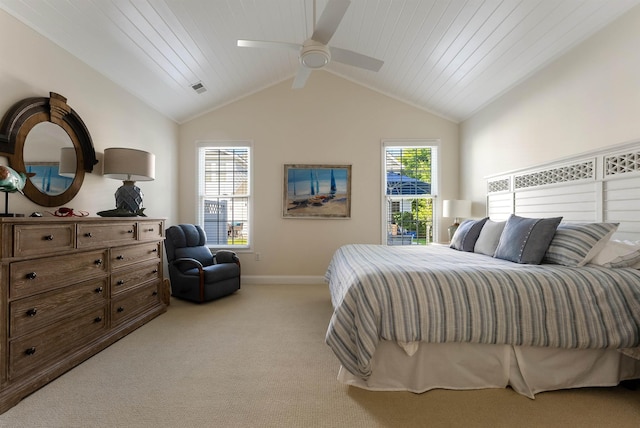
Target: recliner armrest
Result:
[187, 260]
[226, 256]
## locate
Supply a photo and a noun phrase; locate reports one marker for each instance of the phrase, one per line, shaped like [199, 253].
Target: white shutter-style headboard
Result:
[603, 185]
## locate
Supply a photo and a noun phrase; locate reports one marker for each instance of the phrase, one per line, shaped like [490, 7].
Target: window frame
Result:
[200, 197]
[434, 145]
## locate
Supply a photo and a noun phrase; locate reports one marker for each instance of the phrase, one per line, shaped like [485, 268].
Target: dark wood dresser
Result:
[70, 287]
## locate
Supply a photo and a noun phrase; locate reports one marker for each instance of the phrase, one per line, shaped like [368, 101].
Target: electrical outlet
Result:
[258, 257]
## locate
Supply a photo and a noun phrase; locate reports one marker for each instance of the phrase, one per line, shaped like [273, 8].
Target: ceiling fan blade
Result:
[355, 59]
[301, 77]
[268, 44]
[329, 20]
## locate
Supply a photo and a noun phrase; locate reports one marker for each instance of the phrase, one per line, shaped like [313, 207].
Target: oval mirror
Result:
[48, 153]
[46, 137]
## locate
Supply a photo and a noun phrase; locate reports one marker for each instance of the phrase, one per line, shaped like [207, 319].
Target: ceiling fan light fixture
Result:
[315, 52]
[315, 56]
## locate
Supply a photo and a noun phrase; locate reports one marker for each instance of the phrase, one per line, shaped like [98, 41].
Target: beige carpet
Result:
[258, 359]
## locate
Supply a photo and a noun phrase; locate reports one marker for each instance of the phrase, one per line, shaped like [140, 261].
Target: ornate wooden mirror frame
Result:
[20, 120]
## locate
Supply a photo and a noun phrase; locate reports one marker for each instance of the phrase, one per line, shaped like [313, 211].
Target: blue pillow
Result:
[467, 234]
[525, 240]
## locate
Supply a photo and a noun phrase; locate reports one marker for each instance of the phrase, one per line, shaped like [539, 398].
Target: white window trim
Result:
[435, 178]
[200, 210]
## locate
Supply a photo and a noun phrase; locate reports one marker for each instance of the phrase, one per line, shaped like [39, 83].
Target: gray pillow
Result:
[489, 237]
[575, 244]
[467, 234]
[525, 240]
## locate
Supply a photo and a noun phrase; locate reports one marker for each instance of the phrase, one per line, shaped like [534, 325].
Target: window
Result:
[224, 193]
[409, 189]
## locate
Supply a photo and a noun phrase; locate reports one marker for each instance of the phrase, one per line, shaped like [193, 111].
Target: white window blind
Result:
[409, 173]
[224, 177]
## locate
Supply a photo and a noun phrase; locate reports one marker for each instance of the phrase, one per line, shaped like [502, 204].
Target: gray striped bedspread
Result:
[436, 294]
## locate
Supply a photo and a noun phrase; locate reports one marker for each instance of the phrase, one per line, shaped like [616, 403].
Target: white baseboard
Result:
[276, 279]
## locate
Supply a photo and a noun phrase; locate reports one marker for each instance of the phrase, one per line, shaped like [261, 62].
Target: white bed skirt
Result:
[528, 370]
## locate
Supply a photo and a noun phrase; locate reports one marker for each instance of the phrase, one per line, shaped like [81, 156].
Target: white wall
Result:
[32, 66]
[331, 120]
[588, 99]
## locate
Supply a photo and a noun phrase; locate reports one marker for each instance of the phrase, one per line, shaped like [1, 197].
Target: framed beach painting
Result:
[317, 191]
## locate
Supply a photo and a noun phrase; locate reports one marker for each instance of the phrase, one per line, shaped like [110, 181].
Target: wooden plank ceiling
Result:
[449, 57]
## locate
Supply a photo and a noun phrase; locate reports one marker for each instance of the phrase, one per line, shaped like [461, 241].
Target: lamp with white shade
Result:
[68, 162]
[456, 209]
[129, 165]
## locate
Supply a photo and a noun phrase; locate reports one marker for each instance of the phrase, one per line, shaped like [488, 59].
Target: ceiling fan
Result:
[315, 53]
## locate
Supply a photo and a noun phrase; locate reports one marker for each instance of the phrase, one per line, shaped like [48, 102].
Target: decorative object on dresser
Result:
[11, 181]
[129, 165]
[69, 288]
[196, 274]
[457, 209]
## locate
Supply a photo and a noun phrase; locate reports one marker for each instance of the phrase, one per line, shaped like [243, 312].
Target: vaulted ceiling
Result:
[450, 57]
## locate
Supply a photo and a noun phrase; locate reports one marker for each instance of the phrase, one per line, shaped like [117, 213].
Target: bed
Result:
[535, 317]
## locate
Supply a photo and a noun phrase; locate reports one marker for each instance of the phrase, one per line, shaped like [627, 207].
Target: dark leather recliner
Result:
[197, 274]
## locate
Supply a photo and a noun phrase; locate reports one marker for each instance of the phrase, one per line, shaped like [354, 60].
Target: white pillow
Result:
[489, 237]
[619, 254]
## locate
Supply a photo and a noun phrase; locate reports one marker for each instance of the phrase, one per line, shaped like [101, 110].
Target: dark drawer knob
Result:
[130, 231]
[88, 235]
[30, 351]
[98, 262]
[150, 229]
[48, 238]
[155, 250]
[154, 271]
[155, 293]
[120, 309]
[32, 312]
[99, 290]
[120, 257]
[120, 282]
[97, 319]
[31, 275]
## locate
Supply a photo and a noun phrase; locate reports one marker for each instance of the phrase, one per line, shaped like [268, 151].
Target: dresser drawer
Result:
[31, 313]
[150, 230]
[126, 279]
[33, 240]
[106, 234]
[44, 348]
[133, 303]
[125, 256]
[39, 275]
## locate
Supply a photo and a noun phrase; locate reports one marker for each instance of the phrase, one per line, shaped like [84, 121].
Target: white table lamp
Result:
[457, 209]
